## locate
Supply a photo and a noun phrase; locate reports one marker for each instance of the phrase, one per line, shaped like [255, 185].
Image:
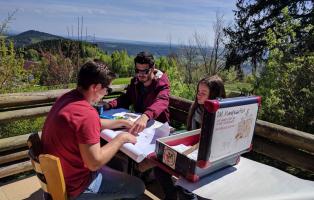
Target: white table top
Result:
[250, 180]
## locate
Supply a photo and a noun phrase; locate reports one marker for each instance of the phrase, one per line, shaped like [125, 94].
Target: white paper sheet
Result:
[180, 148]
[146, 140]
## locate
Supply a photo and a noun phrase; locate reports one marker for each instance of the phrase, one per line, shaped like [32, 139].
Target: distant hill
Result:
[68, 47]
[31, 37]
[133, 48]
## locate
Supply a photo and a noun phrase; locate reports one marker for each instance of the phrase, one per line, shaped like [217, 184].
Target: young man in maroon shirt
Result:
[72, 132]
[148, 92]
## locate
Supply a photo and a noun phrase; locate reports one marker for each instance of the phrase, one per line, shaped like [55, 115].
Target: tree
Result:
[163, 64]
[286, 84]
[188, 60]
[12, 72]
[5, 23]
[31, 54]
[212, 57]
[58, 69]
[253, 19]
[216, 58]
[121, 63]
[177, 85]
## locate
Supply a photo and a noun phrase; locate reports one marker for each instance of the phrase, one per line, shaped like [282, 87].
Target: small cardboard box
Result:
[226, 133]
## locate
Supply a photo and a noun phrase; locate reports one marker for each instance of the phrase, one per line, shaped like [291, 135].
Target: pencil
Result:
[191, 149]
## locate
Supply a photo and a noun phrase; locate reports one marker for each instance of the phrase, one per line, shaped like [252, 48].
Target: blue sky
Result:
[141, 20]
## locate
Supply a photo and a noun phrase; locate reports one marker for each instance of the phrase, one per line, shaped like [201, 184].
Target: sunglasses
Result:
[144, 71]
[109, 90]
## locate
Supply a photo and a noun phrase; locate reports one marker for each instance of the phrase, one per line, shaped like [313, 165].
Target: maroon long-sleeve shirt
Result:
[152, 100]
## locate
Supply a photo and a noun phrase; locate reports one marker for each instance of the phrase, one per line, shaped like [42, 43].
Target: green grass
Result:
[38, 88]
[237, 86]
[120, 81]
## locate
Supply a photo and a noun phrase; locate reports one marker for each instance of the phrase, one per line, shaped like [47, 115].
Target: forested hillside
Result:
[31, 37]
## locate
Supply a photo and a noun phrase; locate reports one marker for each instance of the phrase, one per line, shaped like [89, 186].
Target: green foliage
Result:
[162, 63]
[12, 73]
[20, 127]
[90, 51]
[287, 82]
[31, 54]
[238, 87]
[228, 75]
[177, 85]
[58, 69]
[248, 35]
[105, 58]
[121, 63]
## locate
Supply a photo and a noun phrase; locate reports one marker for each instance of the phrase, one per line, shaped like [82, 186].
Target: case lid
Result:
[227, 128]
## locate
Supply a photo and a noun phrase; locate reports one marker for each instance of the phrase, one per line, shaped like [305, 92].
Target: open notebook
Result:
[146, 140]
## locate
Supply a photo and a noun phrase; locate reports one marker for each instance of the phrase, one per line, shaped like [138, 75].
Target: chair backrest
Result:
[48, 169]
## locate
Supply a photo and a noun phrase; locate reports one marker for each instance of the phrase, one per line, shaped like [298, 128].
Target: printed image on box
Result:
[233, 130]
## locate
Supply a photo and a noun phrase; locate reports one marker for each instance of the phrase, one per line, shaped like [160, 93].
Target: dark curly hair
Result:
[145, 58]
[94, 72]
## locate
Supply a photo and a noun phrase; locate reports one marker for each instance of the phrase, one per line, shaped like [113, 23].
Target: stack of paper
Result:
[146, 140]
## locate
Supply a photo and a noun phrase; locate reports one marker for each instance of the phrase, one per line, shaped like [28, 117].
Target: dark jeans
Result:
[111, 184]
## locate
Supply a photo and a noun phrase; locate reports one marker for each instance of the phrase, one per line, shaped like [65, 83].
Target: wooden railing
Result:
[288, 145]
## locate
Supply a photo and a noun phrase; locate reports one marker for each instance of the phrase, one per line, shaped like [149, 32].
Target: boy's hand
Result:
[127, 123]
[127, 137]
[139, 125]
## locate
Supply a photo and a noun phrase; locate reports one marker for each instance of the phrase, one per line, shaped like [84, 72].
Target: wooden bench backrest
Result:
[48, 169]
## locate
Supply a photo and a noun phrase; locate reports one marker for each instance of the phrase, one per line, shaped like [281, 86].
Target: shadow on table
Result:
[206, 179]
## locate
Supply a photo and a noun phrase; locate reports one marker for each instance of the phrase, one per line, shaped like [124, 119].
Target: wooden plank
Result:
[13, 157]
[180, 103]
[15, 169]
[9, 116]
[280, 134]
[14, 142]
[178, 115]
[284, 153]
[29, 98]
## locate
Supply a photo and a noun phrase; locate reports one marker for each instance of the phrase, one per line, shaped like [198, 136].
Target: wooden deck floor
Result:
[29, 189]
[26, 189]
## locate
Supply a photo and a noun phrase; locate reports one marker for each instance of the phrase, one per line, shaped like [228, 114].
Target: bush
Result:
[21, 127]
[229, 75]
[12, 73]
